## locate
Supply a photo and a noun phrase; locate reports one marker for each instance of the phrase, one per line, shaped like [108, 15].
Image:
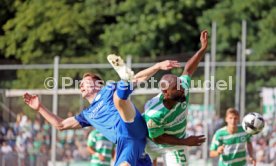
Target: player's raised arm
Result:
[61, 124]
[127, 74]
[192, 63]
[144, 75]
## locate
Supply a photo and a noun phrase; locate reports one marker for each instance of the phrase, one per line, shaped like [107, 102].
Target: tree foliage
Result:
[85, 31]
[43, 29]
[152, 28]
[261, 39]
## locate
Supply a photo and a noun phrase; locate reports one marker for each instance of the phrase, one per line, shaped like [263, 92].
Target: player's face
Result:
[177, 93]
[87, 86]
[232, 120]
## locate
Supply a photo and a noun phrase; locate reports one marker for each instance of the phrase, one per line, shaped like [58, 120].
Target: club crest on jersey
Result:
[98, 97]
[184, 105]
[243, 139]
[151, 124]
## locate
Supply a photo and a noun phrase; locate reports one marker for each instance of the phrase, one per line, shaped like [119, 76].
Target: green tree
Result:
[87, 31]
[43, 29]
[153, 28]
[261, 38]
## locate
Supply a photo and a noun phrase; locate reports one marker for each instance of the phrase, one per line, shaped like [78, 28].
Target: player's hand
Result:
[220, 149]
[101, 157]
[204, 39]
[168, 64]
[32, 101]
[253, 161]
[194, 140]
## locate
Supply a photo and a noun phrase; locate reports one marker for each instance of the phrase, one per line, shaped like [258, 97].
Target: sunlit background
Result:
[65, 38]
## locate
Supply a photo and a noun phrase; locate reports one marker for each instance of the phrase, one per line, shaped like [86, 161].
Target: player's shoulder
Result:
[106, 92]
[153, 101]
[221, 131]
[239, 126]
[240, 129]
[154, 107]
[185, 81]
[185, 78]
[110, 86]
[92, 134]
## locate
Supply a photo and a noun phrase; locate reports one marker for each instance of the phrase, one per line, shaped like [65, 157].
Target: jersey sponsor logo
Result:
[178, 119]
[95, 111]
[151, 124]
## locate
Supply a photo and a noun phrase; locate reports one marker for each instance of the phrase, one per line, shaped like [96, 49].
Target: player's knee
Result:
[128, 120]
[124, 89]
[124, 163]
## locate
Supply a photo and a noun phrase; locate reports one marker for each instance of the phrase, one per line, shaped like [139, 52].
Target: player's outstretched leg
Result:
[120, 67]
[124, 88]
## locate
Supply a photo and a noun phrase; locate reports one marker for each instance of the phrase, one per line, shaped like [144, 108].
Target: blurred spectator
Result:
[31, 140]
[36, 126]
[43, 156]
[70, 133]
[272, 153]
[31, 152]
[100, 148]
[10, 136]
[5, 148]
[21, 152]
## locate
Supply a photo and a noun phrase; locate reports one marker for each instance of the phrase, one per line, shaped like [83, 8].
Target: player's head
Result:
[232, 117]
[90, 84]
[171, 88]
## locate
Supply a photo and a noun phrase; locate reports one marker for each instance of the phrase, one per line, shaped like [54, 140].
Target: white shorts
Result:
[172, 155]
[176, 158]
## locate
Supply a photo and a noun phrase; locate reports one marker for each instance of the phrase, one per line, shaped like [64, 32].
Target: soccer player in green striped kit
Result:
[231, 141]
[100, 148]
[166, 114]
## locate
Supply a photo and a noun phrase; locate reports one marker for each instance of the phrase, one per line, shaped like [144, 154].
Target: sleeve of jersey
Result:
[81, 119]
[155, 129]
[109, 89]
[215, 142]
[91, 139]
[185, 81]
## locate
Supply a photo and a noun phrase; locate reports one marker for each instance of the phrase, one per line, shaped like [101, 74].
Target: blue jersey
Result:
[129, 137]
[102, 113]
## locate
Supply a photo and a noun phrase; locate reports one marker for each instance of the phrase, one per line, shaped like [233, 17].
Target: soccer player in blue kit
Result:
[110, 112]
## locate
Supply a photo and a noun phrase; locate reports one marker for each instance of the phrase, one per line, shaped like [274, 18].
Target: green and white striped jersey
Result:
[102, 146]
[234, 153]
[161, 120]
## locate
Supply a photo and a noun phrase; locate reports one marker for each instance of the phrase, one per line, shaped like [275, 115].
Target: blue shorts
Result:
[132, 152]
[131, 142]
